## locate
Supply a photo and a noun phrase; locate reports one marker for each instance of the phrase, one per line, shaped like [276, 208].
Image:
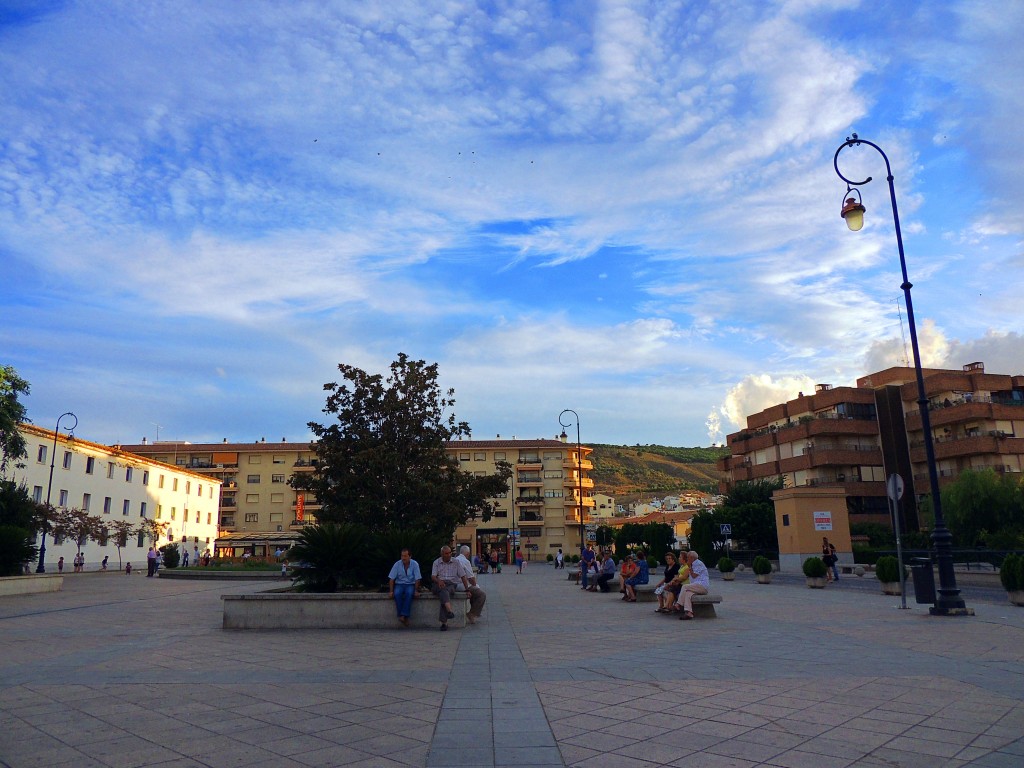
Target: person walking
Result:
[519, 561]
[559, 560]
[828, 556]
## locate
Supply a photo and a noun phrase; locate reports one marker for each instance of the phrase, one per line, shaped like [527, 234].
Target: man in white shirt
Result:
[699, 584]
[445, 575]
[477, 597]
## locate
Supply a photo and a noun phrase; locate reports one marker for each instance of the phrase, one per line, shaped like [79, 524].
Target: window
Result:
[279, 459]
[110, 471]
[463, 457]
[479, 456]
[276, 517]
[160, 483]
[209, 493]
[126, 507]
[128, 474]
[37, 494]
[140, 541]
[252, 517]
[553, 494]
[498, 512]
[209, 518]
[41, 454]
[277, 478]
[197, 516]
[550, 455]
[67, 459]
[142, 509]
[199, 491]
[499, 456]
[63, 499]
[90, 465]
[188, 486]
[86, 501]
[531, 531]
[104, 535]
[552, 473]
[174, 512]
[785, 520]
[277, 498]
[252, 498]
[174, 484]
[145, 477]
[255, 459]
[106, 505]
[159, 511]
[252, 479]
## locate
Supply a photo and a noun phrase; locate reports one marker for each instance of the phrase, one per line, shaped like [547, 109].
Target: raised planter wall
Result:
[31, 585]
[339, 610]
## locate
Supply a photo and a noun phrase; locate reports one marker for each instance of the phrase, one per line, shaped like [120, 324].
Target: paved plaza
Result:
[126, 672]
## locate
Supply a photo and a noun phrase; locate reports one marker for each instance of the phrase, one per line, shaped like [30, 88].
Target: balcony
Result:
[969, 445]
[575, 482]
[228, 504]
[530, 462]
[531, 517]
[532, 500]
[306, 465]
[587, 464]
[527, 480]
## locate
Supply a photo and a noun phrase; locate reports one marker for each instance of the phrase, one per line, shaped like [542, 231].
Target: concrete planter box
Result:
[729, 576]
[1016, 597]
[31, 585]
[891, 588]
[764, 578]
[816, 582]
[338, 610]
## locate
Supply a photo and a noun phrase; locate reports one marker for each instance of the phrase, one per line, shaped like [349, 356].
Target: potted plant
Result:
[762, 568]
[727, 568]
[815, 570]
[1011, 573]
[887, 569]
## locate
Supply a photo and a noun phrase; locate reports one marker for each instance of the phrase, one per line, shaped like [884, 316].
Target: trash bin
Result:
[924, 579]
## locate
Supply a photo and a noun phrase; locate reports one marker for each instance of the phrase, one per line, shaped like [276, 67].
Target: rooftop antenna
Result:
[157, 430]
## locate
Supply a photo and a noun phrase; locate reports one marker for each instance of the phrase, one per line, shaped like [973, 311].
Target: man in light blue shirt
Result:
[403, 581]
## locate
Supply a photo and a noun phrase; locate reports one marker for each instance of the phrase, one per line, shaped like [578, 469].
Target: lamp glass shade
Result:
[853, 214]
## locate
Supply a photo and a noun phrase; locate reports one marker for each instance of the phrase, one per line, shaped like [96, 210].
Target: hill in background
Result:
[628, 472]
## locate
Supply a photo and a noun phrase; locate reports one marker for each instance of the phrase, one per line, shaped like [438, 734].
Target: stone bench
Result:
[704, 606]
[336, 610]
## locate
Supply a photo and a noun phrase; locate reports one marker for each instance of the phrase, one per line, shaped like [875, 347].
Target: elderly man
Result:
[477, 597]
[446, 574]
[699, 584]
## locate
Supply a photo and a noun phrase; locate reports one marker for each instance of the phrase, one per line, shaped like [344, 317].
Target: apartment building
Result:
[855, 437]
[114, 484]
[259, 509]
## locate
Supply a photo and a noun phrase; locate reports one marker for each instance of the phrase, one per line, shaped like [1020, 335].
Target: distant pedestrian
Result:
[60, 565]
[828, 556]
[519, 561]
[560, 560]
[195, 555]
[103, 565]
[184, 559]
[128, 570]
[494, 561]
[284, 569]
[150, 562]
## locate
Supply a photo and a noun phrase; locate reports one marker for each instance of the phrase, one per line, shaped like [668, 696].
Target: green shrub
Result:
[814, 568]
[652, 562]
[171, 555]
[1011, 573]
[726, 565]
[887, 569]
[762, 566]
[15, 550]
[550, 558]
[330, 557]
[575, 559]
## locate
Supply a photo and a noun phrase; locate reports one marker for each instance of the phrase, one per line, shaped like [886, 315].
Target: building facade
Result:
[542, 502]
[113, 484]
[855, 437]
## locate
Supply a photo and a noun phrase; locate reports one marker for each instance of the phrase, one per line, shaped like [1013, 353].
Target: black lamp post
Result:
[41, 568]
[579, 467]
[948, 601]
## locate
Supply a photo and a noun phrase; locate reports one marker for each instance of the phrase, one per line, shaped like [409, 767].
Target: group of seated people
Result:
[685, 577]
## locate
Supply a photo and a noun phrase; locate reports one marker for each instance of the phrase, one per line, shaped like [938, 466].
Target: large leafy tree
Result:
[983, 508]
[382, 463]
[748, 507]
[77, 525]
[12, 413]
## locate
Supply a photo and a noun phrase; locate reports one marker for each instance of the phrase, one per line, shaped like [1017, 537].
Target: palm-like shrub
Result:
[726, 565]
[330, 557]
[887, 569]
[15, 550]
[1011, 573]
[762, 566]
[814, 568]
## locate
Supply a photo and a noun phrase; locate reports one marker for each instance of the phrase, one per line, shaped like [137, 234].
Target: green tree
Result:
[12, 413]
[983, 508]
[705, 537]
[77, 525]
[17, 507]
[15, 550]
[748, 507]
[122, 531]
[605, 536]
[658, 538]
[382, 463]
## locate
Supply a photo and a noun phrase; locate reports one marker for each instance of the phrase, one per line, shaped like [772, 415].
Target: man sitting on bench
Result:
[699, 584]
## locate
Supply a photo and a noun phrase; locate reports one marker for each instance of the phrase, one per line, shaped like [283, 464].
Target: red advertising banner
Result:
[300, 507]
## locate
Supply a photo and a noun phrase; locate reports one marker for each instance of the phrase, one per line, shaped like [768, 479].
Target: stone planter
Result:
[338, 610]
[816, 582]
[31, 585]
[729, 576]
[764, 578]
[891, 588]
[1017, 597]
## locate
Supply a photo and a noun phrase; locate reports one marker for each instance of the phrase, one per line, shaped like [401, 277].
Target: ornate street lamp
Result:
[579, 467]
[41, 568]
[948, 601]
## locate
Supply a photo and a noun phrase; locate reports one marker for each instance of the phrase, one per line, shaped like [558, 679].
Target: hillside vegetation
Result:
[626, 471]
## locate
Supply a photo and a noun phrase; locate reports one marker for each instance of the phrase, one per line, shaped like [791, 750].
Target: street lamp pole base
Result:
[936, 610]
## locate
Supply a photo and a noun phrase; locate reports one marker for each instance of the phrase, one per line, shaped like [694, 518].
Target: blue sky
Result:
[625, 208]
